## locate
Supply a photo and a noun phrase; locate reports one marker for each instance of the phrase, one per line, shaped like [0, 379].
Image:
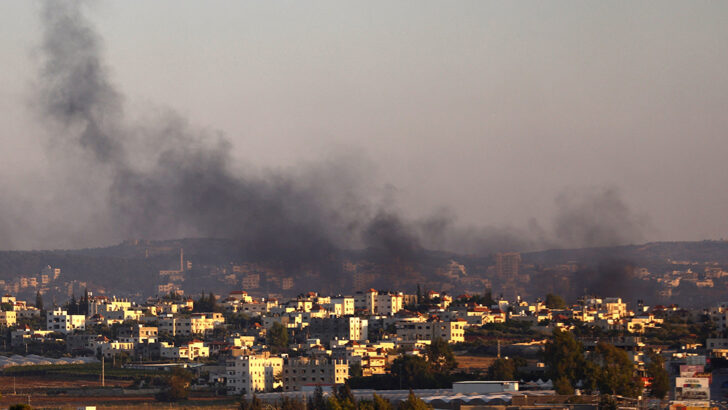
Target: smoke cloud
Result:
[168, 180]
[164, 178]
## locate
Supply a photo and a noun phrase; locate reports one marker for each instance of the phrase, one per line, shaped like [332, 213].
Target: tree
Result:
[317, 402]
[555, 301]
[345, 397]
[277, 337]
[176, 386]
[502, 369]
[355, 369]
[413, 403]
[616, 371]
[440, 356]
[564, 357]
[206, 304]
[254, 404]
[291, 404]
[38, 300]
[412, 372]
[380, 403]
[660, 380]
[488, 298]
[562, 385]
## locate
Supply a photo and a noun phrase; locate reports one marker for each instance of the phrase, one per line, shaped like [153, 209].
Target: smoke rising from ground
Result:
[164, 178]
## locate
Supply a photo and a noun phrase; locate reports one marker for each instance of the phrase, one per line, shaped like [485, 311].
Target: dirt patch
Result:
[29, 383]
[472, 363]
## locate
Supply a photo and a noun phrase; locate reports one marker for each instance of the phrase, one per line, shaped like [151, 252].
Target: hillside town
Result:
[433, 343]
[659, 273]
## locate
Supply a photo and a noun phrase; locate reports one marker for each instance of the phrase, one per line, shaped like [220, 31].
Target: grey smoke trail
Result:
[597, 217]
[169, 180]
[76, 91]
[589, 217]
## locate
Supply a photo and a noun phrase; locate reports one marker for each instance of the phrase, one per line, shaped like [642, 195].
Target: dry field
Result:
[39, 388]
[471, 363]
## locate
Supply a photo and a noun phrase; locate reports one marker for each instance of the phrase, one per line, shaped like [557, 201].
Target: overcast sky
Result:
[490, 109]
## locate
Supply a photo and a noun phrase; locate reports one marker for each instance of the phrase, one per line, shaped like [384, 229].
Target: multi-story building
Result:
[507, 264]
[253, 373]
[109, 348]
[60, 321]
[25, 335]
[197, 323]
[342, 328]
[615, 307]
[102, 305]
[139, 334]
[82, 342]
[240, 296]
[193, 350]
[342, 306]
[251, 281]
[8, 318]
[449, 331]
[313, 372]
[373, 302]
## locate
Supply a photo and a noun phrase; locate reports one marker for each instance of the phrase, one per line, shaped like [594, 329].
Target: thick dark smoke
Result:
[76, 91]
[167, 179]
[613, 276]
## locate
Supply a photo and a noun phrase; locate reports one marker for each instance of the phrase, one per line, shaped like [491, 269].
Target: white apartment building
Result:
[102, 305]
[197, 323]
[8, 318]
[60, 321]
[313, 372]
[450, 331]
[110, 348]
[121, 315]
[193, 350]
[379, 304]
[615, 307]
[250, 374]
[342, 306]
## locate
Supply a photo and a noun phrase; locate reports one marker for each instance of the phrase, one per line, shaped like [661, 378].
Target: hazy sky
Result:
[490, 109]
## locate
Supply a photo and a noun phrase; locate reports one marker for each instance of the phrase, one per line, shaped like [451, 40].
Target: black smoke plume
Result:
[168, 179]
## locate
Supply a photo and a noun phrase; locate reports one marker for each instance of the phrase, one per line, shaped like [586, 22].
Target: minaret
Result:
[181, 260]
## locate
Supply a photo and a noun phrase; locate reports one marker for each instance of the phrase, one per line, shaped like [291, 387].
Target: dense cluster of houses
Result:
[324, 336]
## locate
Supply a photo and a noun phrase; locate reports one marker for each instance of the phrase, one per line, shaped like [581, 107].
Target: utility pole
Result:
[499, 356]
[103, 378]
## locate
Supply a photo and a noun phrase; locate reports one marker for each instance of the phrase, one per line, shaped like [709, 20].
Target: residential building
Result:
[60, 321]
[450, 331]
[253, 373]
[301, 372]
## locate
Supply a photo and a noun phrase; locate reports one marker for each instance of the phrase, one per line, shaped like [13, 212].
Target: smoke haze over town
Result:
[361, 129]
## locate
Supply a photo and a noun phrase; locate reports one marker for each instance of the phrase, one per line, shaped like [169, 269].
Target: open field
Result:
[23, 384]
[471, 363]
[71, 386]
[115, 402]
[91, 371]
